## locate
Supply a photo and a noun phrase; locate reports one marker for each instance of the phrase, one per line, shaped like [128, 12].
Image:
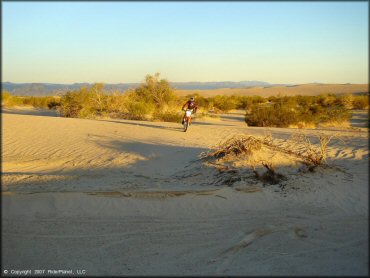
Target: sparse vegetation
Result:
[156, 100]
[236, 145]
[361, 102]
[254, 151]
[270, 175]
[300, 111]
[168, 116]
[50, 102]
[149, 101]
[313, 154]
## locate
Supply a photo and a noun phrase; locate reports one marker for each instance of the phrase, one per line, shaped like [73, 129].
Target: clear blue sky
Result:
[113, 42]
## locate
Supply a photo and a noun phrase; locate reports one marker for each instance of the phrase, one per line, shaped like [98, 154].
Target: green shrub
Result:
[84, 103]
[116, 103]
[135, 104]
[156, 91]
[245, 102]
[284, 113]
[73, 102]
[137, 110]
[224, 103]
[272, 116]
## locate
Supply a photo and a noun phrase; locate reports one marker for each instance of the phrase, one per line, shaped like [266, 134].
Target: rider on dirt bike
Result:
[191, 105]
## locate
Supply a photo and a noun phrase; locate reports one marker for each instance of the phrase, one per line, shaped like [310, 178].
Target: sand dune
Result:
[119, 197]
[304, 89]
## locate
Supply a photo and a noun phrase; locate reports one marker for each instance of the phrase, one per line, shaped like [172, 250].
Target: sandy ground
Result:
[302, 89]
[118, 197]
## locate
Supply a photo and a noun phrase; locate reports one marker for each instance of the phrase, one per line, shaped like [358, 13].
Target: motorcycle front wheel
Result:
[186, 125]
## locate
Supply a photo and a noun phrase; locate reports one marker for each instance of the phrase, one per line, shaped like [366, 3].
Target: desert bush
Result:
[234, 146]
[137, 110]
[54, 103]
[240, 146]
[135, 104]
[155, 90]
[116, 105]
[286, 102]
[337, 114]
[203, 102]
[272, 116]
[150, 100]
[50, 102]
[5, 96]
[42, 102]
[73, 102]
[360, 102]
[245, 102]
[224, 103]
[97, 98]
[87, 102]
[305, 101]
[313, 155]
[298, 111]
[9, 100]
[316, 114]
[168, 116]
[346, 101]
[326, 100]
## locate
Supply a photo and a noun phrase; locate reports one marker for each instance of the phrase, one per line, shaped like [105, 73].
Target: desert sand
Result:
[119, 197]
[283, 90]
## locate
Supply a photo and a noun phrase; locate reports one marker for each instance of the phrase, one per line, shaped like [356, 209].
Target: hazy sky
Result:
[113, 42]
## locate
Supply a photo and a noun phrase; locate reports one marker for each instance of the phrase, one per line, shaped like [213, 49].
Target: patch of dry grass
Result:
[313, 154]
[236, 145]
[255, 151]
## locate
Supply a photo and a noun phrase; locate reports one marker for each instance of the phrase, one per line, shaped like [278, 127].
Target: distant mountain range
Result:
[40, 89]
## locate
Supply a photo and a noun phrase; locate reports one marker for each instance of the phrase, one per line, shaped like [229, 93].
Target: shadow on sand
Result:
[159, 125]
[156, 166]
[360, 118]
[145, 124]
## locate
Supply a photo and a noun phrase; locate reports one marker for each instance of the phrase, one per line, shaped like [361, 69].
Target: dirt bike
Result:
[187, 119]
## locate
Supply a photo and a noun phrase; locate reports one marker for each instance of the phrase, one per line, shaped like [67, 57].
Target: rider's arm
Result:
[184, 105]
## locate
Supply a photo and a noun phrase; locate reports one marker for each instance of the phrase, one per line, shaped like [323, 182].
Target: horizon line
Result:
[140, 82]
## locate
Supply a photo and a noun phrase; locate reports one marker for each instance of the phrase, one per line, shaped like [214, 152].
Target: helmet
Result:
[191, 99]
